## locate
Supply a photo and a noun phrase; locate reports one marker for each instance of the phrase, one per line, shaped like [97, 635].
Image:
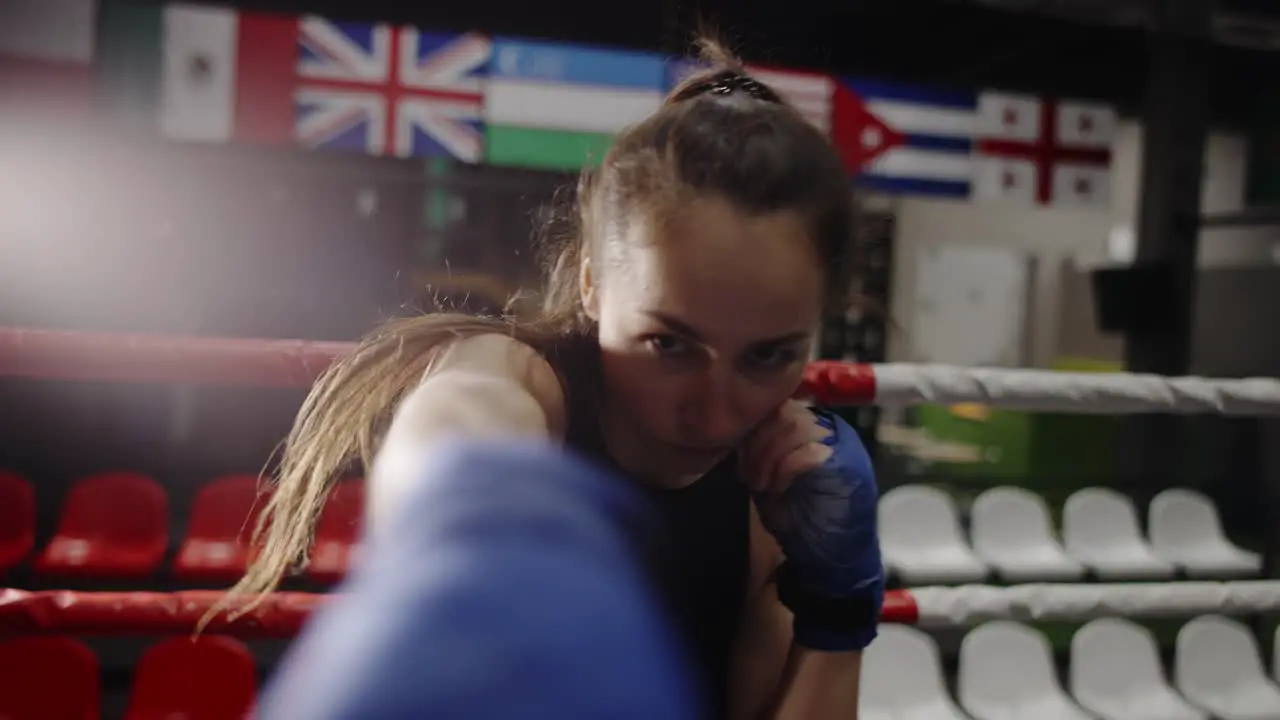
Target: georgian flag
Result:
[1034, 150]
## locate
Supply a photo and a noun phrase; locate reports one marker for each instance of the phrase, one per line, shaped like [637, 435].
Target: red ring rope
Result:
[51, 354]
[280, 615]
[60, 355]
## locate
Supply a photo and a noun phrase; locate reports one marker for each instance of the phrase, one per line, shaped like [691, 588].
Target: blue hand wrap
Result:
[826, 525]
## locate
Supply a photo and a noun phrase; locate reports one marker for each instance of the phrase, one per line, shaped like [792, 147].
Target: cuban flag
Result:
[906, 140]
[810, 93]
[382, 90]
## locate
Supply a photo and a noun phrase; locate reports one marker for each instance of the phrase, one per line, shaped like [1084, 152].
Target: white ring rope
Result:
[972, 604]
[900, 384]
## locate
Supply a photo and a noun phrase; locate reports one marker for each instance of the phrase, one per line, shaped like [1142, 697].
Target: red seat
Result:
[17, 519]
[48, 678]
[337, 532]
[113, 526]
[211, 677]
[216, 547]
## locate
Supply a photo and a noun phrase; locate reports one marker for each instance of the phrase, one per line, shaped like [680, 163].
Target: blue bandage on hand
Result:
[833, 577]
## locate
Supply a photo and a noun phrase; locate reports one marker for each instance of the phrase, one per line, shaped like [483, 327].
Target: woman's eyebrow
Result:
[680, 327]
[675, 325]
[787, 339]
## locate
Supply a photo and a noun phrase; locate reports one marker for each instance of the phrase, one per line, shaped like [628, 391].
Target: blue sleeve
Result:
[508, 586]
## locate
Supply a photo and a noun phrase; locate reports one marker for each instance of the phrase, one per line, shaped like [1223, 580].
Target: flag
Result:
[395, 91]
[559, 107]
[901, 139]
[1036, 150]
[197, 73]
[215, 74]
[809, 93]
[127, 66]
[46, 51]
[988, 146]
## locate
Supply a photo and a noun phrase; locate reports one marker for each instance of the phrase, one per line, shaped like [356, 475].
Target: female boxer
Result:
[680, 310]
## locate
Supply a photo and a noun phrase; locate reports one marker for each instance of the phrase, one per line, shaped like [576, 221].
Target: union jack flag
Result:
[381, 90]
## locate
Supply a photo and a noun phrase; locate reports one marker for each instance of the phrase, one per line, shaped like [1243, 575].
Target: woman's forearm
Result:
[817, 685]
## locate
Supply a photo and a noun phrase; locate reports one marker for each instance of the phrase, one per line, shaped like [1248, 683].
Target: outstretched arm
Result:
[508, 584]
[489, 386]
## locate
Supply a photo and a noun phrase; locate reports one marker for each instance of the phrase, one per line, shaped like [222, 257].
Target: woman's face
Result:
[706, 322]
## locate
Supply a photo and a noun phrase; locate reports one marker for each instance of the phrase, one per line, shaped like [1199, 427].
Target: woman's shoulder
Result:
[507, 357]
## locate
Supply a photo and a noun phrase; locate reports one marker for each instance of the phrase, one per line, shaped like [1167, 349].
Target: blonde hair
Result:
[762, 156]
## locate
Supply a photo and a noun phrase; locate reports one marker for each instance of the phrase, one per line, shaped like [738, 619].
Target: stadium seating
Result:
[902, 677]
[1006, 671]
[208, 678]
[112, 526]
[1185, 530]
[1012, 533]
[119, 523]
[1218, 667]
[921, 538]
[1100, 530]
[1116, 674]
[17, 519]
[216, 547]
[337, 532]
[48, 678]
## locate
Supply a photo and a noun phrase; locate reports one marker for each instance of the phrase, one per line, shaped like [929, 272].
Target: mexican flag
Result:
[198, 73]
[46, 51]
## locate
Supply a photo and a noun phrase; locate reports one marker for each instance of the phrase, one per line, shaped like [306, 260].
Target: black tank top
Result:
[706, 566]
[702, 559]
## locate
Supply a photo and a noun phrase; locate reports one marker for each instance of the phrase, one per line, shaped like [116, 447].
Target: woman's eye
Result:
[667, 345]
[770, 358]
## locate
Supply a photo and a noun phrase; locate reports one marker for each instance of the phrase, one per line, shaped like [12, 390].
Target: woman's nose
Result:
[716, 419]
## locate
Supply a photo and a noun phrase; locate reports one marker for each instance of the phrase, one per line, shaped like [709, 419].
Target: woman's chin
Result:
[685, 460]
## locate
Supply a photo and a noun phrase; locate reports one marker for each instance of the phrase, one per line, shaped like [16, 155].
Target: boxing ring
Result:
[51, 355]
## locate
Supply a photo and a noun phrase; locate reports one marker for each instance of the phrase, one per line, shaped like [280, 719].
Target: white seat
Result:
[902, 678]
[1100, 530]
[1116, 674]
[1007, 673]
[1185, 530]
[1011, 532]
[1218, 667]
[921, 540]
